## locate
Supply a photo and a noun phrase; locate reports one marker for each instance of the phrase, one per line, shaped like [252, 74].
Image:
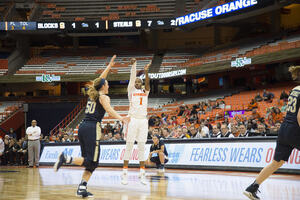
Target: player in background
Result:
[137, 128]
[158, 155]
[288, 138]
[90, 130]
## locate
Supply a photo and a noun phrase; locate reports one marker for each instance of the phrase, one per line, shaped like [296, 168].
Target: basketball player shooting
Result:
[137, 128]
[288, 138]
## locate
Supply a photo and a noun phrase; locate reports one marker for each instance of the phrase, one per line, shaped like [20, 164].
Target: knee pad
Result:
[128, 150]
[90, 165]
[141, 149]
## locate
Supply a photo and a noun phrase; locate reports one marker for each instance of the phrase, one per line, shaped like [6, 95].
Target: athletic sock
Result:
[142, 169]
[83, 182]
[255, 183]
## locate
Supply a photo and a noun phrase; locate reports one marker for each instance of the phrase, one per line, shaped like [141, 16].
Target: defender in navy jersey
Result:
[89, 131]
[288, 138]
[158, 155]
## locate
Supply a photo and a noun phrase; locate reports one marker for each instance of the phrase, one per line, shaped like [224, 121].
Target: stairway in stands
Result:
[156, 63]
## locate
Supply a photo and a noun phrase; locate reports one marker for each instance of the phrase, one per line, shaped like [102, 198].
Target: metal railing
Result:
[69, 118]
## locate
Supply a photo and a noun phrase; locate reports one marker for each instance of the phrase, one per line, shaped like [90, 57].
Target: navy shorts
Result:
[89, 134]
[157, 161]
[288, 139]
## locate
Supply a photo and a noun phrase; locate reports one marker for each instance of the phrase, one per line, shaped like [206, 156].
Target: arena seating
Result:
[233, 102]
[7, 108]
[172, 60]
[3, 63]
[100, 10]
[4, 5]
[190, 5]
[3, 66]
[81, 64]
[72, 63]
[247, 50]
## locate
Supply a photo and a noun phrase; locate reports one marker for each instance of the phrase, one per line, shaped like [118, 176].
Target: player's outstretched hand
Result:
[112, 61]
[126, 119]
[132, 61]
[146, 68]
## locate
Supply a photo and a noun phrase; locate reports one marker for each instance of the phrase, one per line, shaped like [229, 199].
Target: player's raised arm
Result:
[132, 75]
[106, 71]
[147, 79]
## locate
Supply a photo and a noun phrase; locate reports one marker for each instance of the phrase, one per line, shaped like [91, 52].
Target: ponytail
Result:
[94, 87]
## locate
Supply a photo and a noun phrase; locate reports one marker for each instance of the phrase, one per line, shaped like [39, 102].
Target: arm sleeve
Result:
[27, 131]
[132, 78]
[38, 133]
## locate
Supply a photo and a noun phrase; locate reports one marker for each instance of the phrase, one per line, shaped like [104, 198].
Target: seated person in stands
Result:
[72, 138]
[12, 151]
[260, 131]
[18, 153]
[108, 128]
[173, 121]
[154, 132]
[235, 130]
[273, 131]
[65, 138]
[243, 131]
[181, 110]
[268, 96]
[284, 96]
[252, 125]
[23, 152]
[185, 134]
[117, 137]
[204, 130]
[53, 139]
[194, 133]
[252, 105]
[277, 125]
[277, 115]
[158, 155]
[165, 133]
[110, 136]
[270, 120]
[215, 132]
[258, 98]
[225, 132]
[12, 133]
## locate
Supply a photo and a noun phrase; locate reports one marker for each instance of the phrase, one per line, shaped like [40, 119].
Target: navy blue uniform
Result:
[289, 132]
[155, 158]
[89, 131]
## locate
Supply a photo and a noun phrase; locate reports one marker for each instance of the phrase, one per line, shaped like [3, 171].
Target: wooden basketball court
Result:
[105, 184]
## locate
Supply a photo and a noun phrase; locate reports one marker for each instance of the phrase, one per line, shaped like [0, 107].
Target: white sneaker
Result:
[124, 178]
[141, 174]
[143, 178]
